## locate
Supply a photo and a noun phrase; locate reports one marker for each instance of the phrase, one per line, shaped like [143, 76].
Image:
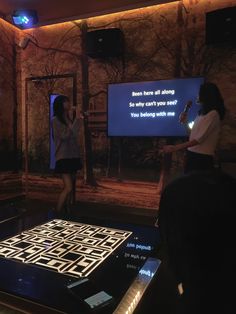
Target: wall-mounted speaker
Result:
[105, 43]
[221, 26]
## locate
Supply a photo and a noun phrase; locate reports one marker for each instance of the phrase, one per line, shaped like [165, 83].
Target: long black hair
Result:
[58, 108]
[210, 98]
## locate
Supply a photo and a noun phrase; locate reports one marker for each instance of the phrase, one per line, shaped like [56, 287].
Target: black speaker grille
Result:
[221, 26]
[105, 43]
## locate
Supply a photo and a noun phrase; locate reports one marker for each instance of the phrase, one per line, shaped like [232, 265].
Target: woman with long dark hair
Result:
[67, 152]
[201, 146]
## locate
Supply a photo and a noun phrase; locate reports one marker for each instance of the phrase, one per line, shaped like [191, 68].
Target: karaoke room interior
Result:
[128, 69]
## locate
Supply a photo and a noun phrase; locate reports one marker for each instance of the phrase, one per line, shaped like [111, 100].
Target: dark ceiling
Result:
[53, 11]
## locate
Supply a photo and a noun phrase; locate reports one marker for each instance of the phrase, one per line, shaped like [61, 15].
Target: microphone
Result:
[187, 106]
[84, 114]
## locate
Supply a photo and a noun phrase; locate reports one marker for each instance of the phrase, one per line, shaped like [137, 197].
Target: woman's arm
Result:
[174, 148]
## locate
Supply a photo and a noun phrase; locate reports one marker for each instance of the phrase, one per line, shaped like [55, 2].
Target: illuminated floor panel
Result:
[67, 247]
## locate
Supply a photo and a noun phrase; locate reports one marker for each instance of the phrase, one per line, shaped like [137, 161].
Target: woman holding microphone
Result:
[201, 146]
[67, 152]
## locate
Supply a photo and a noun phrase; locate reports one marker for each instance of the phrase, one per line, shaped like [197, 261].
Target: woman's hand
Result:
[183, 118]
[168, 149]
[77, 113]
[83, 115]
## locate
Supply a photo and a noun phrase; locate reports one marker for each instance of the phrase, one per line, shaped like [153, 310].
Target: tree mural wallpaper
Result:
[9, 82]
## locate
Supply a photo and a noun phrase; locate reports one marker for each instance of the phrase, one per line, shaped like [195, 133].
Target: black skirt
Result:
[69, 165]
[198, 162]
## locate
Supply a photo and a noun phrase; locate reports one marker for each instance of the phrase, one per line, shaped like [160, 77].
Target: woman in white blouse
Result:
[200, 148]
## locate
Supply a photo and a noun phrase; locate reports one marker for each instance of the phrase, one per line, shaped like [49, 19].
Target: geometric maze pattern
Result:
[71, 248]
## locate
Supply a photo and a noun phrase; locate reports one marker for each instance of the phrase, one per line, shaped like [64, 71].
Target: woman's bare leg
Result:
[72, 196]
[67, 188]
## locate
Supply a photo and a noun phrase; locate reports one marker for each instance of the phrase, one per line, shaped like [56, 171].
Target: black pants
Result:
[198, 162]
